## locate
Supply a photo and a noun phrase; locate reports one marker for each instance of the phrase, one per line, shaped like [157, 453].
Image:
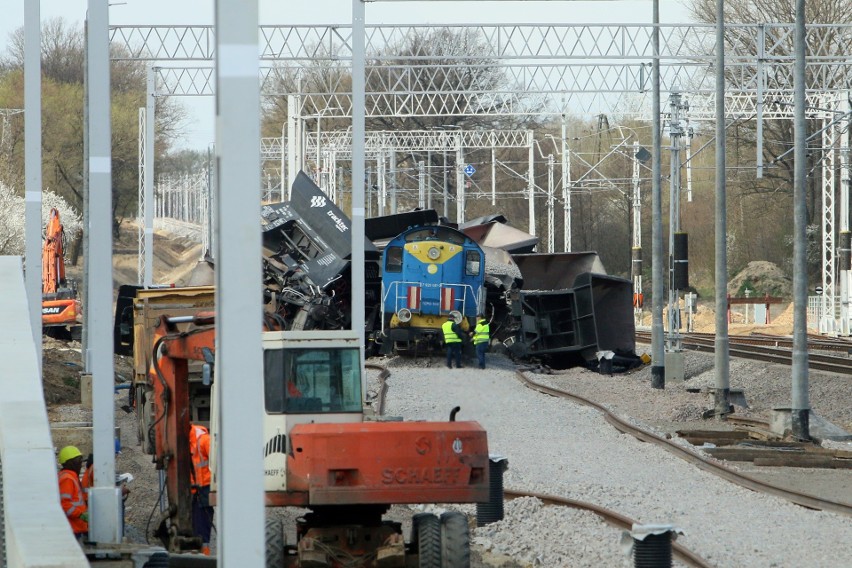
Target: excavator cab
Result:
[309, 377]
[312, 380]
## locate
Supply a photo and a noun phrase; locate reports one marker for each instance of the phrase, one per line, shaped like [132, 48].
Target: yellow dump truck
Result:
[138, 312]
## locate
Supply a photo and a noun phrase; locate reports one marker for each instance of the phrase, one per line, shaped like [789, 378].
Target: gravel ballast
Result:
[557, 447]
[560, 448]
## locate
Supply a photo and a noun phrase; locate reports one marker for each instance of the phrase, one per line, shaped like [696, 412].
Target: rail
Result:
[614, 518]
[772, 350]
[35, 532]
[705, 464]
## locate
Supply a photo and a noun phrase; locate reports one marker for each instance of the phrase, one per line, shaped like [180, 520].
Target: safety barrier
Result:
[35, 532]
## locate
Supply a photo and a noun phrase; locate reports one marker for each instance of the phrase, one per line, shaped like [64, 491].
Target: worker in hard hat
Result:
[453, 335]
[202, 512]
[71, 494]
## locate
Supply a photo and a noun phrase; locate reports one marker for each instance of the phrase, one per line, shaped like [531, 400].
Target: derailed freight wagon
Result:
[307, 251]
[569, 310]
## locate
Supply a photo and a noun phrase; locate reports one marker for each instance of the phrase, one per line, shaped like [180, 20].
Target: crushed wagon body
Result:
[569, 310]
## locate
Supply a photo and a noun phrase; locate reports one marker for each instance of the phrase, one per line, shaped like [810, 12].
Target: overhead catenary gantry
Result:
[549, 69]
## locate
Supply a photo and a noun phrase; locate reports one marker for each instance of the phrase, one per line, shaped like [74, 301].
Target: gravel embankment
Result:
[560, 448]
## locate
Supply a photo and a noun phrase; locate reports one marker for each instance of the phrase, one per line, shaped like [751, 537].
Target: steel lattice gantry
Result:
[582, 65]
[549, 69]
[380, 144]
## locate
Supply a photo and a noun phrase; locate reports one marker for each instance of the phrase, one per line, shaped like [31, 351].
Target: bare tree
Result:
[760, 207]
[63, 65]
[430, 70]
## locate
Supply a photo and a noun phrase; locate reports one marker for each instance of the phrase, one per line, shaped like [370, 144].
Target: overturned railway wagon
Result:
[569, 309]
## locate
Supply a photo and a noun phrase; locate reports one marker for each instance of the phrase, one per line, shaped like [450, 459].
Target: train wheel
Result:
[426, 540]
[455, 540]
[275, 543]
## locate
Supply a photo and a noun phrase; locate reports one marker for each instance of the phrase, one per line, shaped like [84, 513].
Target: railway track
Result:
[770, 349]
[609, 516]
[679, 551]
[692, 457]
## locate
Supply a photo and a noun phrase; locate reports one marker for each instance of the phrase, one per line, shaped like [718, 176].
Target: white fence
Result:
[35, 532]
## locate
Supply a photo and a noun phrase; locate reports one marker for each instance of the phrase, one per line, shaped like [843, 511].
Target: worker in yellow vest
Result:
[453, 334]
[481, 340]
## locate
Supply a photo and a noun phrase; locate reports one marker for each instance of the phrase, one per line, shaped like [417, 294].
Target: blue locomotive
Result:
[428, 273]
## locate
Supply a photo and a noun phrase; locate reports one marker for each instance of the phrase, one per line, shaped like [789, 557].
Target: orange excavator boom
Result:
[53, 255]
[60, 307]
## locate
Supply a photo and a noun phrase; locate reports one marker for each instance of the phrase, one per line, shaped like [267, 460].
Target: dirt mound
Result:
[780, 320]
[760, 278]
[61, 369]
[175, 257]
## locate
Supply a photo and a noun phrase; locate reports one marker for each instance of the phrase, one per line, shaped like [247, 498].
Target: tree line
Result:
[759, 209]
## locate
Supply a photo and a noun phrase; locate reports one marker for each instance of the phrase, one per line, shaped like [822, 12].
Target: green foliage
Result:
[63, 56]
[746, 286]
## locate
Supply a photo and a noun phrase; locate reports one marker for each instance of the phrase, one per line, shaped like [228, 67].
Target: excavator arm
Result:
[169, 378]
[53, 255]
[60, 306]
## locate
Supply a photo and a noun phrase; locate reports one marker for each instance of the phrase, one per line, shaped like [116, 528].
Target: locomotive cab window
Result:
[436, 233]
[311, 380]
[472, 263]
[393, 259]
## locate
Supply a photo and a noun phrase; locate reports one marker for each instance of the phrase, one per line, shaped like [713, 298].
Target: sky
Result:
[199, 130]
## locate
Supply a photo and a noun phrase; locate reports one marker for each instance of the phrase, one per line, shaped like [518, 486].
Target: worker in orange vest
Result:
[202, 512]
[89, 479]
[71, 494]
[89, 476]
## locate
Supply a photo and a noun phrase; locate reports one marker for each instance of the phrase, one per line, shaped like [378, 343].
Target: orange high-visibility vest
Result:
[199, 445]
[88, 481]
[73, 500]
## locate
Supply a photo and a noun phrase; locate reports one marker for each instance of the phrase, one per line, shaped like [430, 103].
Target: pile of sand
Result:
[175, 256]
[761, 278]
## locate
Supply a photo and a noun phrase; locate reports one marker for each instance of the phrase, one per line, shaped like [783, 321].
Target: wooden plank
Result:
[825, 462]
[714, 433]
[747, 454]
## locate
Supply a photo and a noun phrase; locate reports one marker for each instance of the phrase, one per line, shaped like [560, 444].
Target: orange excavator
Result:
[320, 454]
[60, 308]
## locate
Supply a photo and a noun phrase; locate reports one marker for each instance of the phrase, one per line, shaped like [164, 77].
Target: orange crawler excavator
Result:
[60, 308]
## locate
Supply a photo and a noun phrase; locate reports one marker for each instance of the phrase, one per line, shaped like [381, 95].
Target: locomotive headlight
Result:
[404, 315]
[433, 253]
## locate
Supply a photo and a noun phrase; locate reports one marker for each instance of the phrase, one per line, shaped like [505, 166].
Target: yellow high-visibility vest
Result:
[450, 336]
[482, 333]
